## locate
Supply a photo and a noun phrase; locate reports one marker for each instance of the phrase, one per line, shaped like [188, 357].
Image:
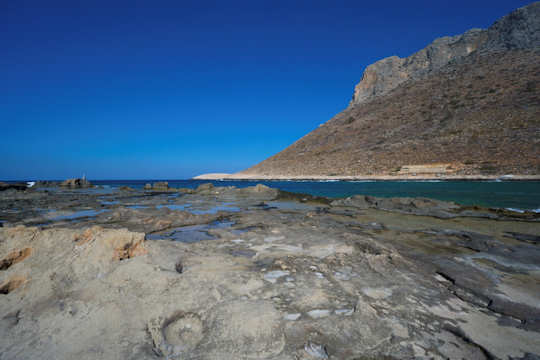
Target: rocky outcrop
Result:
[518, 30]
[161, 186]
[45, 183]
[18, 186]
[76, 183]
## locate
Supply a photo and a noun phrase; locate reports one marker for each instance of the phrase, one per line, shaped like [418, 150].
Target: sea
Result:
[513, 195]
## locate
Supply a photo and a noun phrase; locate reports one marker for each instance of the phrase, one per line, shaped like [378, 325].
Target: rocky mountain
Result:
[466, 104]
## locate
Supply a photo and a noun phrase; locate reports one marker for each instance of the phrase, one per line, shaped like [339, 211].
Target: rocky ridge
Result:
[517, 30]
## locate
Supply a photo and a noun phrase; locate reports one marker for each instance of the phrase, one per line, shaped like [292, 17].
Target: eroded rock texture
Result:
[226, 273]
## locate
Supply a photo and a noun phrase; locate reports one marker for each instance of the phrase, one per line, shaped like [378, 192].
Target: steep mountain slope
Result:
[468, 104]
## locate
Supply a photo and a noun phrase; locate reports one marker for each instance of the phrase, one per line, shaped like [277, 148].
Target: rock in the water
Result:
[77, 183]
[161, 185]
[204, 187]
[18, 186]
[45, 183]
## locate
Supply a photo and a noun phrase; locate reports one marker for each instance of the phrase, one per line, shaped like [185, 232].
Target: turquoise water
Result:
[523, 195]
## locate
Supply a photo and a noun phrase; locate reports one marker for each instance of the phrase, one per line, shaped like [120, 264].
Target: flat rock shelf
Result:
[259, 273]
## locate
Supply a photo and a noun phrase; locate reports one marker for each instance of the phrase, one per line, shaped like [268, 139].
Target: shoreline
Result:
[223, 176]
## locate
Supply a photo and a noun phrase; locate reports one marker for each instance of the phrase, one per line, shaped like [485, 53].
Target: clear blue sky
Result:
[170, 89]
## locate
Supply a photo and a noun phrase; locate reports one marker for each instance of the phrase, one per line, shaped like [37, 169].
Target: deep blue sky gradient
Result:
[171, 89]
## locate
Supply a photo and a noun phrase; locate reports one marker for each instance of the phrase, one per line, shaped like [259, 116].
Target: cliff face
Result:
[518, 30]
[387, 74]
[469, 104]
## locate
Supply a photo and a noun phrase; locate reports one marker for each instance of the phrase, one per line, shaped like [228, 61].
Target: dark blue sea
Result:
[519, 195]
